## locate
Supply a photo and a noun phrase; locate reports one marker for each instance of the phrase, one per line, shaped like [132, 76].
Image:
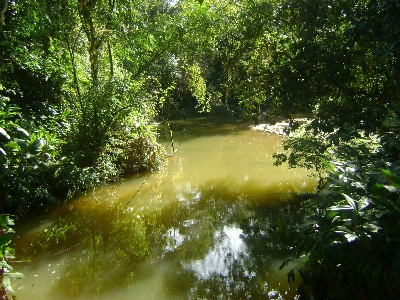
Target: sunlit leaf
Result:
[385, 202]
[351, 237]
[15, 275]
[328, 166]
[307, 223]
[22, 132]
[331, 214]
[371, 227]
[7, 285]
[5, 220]
[14, 146]
[4, 264]
[350, 201]
[340, 207]
[391, 188]
[4, 135]
[394, 180]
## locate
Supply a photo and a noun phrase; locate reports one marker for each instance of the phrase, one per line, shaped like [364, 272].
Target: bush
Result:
[350, 237]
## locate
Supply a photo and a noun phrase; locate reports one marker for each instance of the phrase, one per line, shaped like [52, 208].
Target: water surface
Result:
[214, 224]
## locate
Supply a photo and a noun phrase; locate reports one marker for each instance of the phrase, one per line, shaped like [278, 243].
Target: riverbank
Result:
[279, 128]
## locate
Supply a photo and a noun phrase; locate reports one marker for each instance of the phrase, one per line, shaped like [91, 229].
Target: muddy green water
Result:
[212, 225]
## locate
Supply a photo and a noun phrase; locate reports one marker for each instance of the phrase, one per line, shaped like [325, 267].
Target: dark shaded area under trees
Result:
[81, 82]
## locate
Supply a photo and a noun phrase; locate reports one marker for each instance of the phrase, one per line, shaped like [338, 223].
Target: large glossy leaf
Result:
[15, 275]
[341, 207]
[36, 146]
[7, 285]
[332, 214]
[4, 137]
[394, 180]
[4, 264]
[350, 201]
[22, 133]
[305, 224]
[378, 189]
[380, 200]
[2, 152]
[5, 220]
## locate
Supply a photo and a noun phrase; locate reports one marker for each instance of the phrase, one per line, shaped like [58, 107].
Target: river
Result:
[214, 224]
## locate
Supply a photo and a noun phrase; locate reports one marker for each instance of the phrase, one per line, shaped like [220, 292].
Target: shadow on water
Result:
[186, 130]
[214, 227]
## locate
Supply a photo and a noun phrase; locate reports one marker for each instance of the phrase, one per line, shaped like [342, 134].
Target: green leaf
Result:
[331, 214]
[14, 146]
[350, 201]
[4, 135]
[22, 132]
[15, 275]
[5, 221]
[7, 285]
[394, 180]
[385, 202]
[323, 194]
[4, 264]
[36, 146]
[342, 229]
[371, 227]
[328, 166]
[307, 223]
[391, 188]
[340, 207]
[5, 239]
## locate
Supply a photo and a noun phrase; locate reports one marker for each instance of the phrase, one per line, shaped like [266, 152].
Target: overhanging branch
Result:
[5, 7]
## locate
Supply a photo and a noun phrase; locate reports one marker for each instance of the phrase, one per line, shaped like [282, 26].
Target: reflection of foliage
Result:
[58, 231]
[175, 233]
[207, 210]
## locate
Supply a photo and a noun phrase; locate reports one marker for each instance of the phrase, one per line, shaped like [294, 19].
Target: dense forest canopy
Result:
[81, 82]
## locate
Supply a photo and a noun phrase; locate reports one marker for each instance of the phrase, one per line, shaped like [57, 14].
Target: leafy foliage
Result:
[350, 234]
[6, 274]
[26, 158]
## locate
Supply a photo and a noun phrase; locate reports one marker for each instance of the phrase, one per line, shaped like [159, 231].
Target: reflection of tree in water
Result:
[264, 231]
[197, 232]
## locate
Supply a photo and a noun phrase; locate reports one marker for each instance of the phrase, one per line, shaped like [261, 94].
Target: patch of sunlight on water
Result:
[213, 225]
[220, 259]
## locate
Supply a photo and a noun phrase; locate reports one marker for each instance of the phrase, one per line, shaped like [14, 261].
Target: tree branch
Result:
[5, 7]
